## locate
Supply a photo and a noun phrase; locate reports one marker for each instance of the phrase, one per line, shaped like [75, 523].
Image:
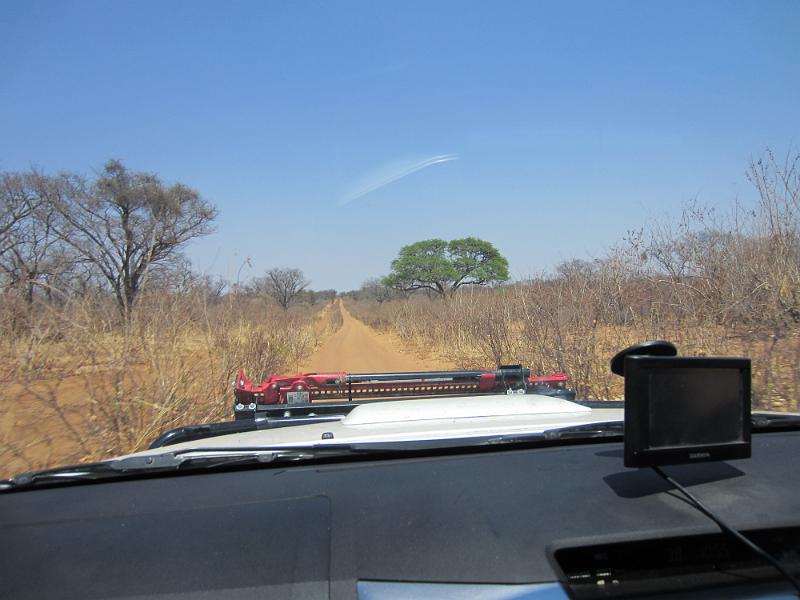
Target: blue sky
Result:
[564, 124]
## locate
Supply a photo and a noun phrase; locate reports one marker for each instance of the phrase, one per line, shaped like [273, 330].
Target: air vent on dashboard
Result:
[674, 564]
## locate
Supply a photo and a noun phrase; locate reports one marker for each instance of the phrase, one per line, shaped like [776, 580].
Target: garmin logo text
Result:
[696, 455]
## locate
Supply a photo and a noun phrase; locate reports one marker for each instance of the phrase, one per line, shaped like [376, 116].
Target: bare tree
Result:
[374, 289]
[282, 285]
[17, 201]
[34, 254]
[124, 223]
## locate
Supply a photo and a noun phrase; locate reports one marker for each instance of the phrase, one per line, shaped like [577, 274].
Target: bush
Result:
[713, 283]
[80, 385]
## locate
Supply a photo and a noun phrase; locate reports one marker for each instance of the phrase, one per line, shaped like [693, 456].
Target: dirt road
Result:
[357, 348]
[31, 437]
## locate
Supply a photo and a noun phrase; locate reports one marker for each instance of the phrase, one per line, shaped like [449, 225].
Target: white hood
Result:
[421, 419]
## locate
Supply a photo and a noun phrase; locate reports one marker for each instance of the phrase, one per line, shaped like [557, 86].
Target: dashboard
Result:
[529, 522]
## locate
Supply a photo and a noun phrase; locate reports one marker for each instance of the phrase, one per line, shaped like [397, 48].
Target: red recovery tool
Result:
[305, 388]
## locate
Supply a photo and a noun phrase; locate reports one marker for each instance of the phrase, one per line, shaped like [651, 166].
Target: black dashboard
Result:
[523, 523]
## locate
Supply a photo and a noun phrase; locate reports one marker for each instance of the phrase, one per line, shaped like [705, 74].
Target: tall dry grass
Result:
[78, 385]
[714, 282]
[551, 327]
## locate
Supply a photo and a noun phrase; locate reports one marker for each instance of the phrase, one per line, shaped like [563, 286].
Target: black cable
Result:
[730, 530]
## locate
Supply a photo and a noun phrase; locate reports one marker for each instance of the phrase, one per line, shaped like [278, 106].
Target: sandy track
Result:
[44, 439]
[357, 348]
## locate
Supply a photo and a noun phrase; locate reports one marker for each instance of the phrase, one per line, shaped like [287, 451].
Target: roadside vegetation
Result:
[107, 336]
[714, 282]
[76, 385]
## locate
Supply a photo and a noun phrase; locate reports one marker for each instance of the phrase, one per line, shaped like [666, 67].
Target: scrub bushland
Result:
[79, 383]
[714, 281]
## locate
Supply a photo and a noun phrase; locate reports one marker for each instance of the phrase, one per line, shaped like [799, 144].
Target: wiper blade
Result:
[211, 457]
[762, 421]
[609, 429]
[70, 473]
[193, 458]
[120, 467]
[588, 431]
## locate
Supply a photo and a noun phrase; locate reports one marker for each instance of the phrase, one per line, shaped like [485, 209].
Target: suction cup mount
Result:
[654, 348]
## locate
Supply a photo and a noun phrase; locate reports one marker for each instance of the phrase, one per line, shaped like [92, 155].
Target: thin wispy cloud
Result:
[389, 173]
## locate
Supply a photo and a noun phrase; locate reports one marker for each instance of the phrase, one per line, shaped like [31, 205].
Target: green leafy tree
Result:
[443, 267]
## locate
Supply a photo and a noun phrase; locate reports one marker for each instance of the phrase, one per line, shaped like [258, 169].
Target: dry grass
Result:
[482, 329]
[77, 386]
[715, 283]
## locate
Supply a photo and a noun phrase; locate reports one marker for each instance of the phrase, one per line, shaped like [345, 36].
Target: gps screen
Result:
[695, 407]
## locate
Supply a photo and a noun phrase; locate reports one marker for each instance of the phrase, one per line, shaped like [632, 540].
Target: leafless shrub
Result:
[284, 286]
[79, 386]
[714, 282]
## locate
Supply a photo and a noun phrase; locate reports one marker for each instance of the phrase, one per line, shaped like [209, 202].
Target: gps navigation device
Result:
[686, 409]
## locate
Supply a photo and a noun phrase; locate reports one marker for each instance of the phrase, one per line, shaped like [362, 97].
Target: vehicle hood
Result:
[421, 419]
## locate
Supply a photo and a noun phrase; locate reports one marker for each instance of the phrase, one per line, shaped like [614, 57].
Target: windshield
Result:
[199, 194]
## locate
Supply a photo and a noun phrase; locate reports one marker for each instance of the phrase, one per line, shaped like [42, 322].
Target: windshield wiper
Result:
[586, 431]
[133, 465]
[608, 429]
[774, 421]
[180, 460]
[211, 457]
